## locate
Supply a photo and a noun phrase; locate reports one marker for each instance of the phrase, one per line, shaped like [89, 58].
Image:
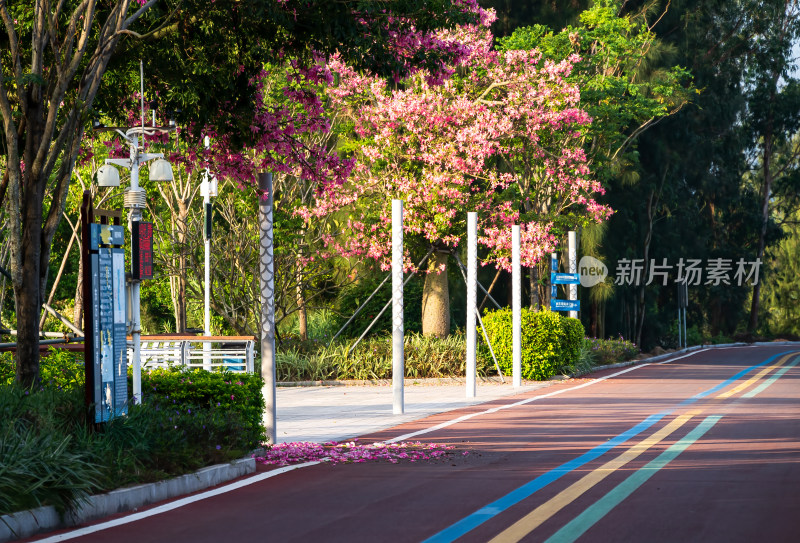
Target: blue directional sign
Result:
[565, 305]
[565, 279]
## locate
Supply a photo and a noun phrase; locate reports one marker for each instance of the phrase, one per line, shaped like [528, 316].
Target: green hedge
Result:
[236, 394]
[550, 341]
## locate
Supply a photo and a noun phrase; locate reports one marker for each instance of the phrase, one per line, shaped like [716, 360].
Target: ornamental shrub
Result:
[237, 394]
[550, 342]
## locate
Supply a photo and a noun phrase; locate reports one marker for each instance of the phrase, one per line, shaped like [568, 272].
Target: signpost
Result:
[565, 305]
[557, 278]
[105, 327]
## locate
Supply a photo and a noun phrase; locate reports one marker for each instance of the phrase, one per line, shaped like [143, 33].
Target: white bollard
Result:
[516, 309]
[472, 302]
[398, 355]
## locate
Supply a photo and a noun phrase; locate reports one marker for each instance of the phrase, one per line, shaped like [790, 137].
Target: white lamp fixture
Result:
[160, 170]
[107, 176]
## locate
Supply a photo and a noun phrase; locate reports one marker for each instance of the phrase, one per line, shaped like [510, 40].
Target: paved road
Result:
[703, 448]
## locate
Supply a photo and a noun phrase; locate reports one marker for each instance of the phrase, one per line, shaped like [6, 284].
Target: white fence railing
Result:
[234, 353]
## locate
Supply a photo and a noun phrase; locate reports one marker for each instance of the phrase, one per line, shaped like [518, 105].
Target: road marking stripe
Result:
[406, 437]
[515, 496]
[173, 505]
[760, 388]
[580, 524]
[473, 520]
[754, 378]
[727, 382]
[535, 518]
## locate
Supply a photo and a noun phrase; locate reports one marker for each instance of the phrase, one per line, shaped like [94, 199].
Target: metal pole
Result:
[136, 201]
[385, 307]
[573, 268]
[472, 301]
[480, 286]
[398, 356]
[267, 277]
[516, 310]
[489, 344]
[207, 278]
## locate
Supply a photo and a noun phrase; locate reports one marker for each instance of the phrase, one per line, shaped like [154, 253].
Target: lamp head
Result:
[107, 176]
[160, 170]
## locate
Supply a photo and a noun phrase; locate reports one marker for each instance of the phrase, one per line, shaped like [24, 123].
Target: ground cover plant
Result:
[425, 357]
[187, 420]
[610, 351]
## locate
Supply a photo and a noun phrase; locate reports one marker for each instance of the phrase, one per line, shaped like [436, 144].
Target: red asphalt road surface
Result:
[739, 481]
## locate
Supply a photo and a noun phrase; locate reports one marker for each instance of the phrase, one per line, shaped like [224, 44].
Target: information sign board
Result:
[108, 321]
[565, 278]
[565, 305]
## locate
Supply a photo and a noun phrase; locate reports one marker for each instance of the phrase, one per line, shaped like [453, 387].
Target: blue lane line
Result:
[472, 521]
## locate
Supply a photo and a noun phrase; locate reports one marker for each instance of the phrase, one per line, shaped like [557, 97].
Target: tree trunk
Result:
[28, 292]
[436, 298]
[77, 312]
[302, 316]
[534, 287]
[762, 235]
[181, 225]
[640, 308]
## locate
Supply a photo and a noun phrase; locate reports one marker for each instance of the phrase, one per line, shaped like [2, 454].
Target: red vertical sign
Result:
[142, 250]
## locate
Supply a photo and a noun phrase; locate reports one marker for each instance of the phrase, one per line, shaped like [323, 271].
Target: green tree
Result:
[60, 62]
[628, 83]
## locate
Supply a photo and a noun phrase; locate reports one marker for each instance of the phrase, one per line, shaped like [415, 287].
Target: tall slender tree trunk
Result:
[755, 303]
[302, 315]
[640, 308]
[28, 292]
[180, 281]
[77, 312]
[436, 298]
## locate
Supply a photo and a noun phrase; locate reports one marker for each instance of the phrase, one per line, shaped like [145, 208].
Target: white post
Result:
[516, 310]
[573, 268]
[135, 215]
[472, 302]
[398, 355]
[267, 284]
[207, 278]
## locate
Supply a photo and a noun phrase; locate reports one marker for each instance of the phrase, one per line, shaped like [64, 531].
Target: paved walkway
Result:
[337, 413]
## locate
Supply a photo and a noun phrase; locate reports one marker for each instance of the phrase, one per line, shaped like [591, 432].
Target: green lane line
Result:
[760, 388]
[580, 524]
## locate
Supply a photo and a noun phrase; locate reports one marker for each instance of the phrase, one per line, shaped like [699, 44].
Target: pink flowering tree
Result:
[501, 136]
[289, 135]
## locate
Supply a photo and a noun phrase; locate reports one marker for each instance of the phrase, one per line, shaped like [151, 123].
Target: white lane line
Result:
[261, 477]
[174, 505]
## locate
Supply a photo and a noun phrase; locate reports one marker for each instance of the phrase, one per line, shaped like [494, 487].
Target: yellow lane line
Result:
[755, 378]
[535, 518]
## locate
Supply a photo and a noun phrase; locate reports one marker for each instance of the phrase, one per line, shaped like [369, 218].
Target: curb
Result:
[408, 381]
[44, 519]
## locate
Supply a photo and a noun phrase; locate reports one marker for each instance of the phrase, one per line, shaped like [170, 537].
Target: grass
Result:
[425, 357]
[49, 455]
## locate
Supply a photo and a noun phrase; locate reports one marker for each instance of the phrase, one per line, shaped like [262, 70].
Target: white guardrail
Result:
[234, 353]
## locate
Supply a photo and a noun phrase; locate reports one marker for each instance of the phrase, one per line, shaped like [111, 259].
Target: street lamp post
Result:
[208, 189]
[135, 200]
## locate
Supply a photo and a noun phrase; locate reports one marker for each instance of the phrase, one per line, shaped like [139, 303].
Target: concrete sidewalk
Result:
[337, 413]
